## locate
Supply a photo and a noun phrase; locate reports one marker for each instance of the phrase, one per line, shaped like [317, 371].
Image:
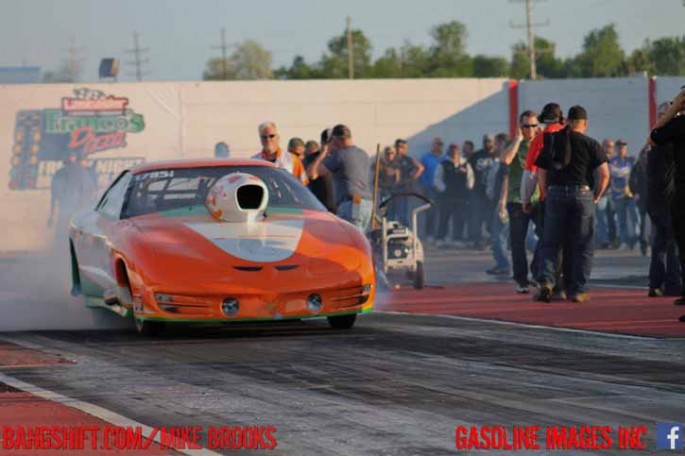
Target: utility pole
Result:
[224, 54]
[74, 59]
[138, 60]
[531, 37]
[350, 49]
[531, 40]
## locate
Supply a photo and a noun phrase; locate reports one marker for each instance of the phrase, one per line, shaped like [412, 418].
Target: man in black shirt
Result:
[566, 166]
[670, 128]
[664, 269]
[481, 207]
[322, 186]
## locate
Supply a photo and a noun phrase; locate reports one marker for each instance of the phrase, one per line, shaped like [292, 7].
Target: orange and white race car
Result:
[218, 241]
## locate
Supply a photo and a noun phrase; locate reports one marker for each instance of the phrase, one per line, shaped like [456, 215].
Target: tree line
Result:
[446, 57]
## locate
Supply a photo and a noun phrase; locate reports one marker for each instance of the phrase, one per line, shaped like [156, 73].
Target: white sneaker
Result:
[623, 247]
[440, 243]
[457, 244]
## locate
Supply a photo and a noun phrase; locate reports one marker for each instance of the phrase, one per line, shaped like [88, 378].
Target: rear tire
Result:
[149, 328]
[342, 321]
[419, 276]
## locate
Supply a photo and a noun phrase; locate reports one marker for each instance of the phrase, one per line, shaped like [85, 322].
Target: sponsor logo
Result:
[88, 122]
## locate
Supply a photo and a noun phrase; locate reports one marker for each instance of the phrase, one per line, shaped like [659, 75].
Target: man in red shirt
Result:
[553, 118]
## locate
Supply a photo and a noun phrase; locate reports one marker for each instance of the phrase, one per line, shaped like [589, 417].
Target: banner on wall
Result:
[88, 122]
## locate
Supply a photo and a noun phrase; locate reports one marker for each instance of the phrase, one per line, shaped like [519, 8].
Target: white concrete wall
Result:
[617, 108]
[187, 119]
[667, 88]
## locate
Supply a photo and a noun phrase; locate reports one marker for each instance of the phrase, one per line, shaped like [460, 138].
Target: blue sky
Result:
[181, 33]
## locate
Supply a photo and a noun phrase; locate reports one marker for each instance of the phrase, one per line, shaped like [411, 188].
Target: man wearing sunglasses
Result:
[271, 151]
[515, 158]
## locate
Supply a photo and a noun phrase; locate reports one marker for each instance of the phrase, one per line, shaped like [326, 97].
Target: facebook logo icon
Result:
[669, 436]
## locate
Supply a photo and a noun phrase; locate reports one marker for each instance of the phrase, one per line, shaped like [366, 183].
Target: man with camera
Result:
[670, 128]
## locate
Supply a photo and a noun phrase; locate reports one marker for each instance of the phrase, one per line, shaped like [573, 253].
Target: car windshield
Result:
[178, 189]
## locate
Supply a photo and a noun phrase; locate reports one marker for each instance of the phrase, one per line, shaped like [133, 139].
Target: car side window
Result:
[112, 202]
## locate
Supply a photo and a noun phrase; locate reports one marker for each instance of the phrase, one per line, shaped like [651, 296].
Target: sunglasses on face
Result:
[530, 125]
[265, 137]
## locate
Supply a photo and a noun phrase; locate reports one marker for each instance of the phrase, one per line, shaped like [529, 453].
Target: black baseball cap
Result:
[577, 113]
[551, 113]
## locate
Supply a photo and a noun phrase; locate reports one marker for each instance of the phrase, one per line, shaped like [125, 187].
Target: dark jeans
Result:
[518, 230]
[664, 269]
[481, 212]
[431, 216]
[642, 237]
[569, 225]
[454, 209]
[678, 216]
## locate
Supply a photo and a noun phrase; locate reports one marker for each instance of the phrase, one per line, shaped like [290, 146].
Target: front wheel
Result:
[342, 321]
[149, 328]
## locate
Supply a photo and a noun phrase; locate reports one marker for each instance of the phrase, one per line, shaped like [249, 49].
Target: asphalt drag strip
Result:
[396, 384]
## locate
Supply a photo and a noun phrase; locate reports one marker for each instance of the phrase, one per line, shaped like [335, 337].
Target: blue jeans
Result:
[402, 209]
[431, 217]
[602, 216]
[628, 220]
[519, 222]
[360, 220]
[569, 224]
[500, 241]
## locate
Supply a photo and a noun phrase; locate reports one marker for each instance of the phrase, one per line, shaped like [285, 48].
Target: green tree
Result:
[547, 64]
[640, 60]
[602, 54]
[490, 67]
[334, 63]
[389, 65]
[249, 61]
[448, 57]
[299, 69]
[668, 56]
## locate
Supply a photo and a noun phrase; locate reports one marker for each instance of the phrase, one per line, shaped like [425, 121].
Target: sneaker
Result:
[457, 244]
[580, 297]
[680, 301]
[522, 289]
[440, 243]
[655, 293]
[497, 270]
[623, 247]
[544, 294]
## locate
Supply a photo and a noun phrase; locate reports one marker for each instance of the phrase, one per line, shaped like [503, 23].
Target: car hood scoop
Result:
[266, 241]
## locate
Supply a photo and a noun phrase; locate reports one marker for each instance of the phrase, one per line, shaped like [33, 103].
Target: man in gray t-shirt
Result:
[349, 166]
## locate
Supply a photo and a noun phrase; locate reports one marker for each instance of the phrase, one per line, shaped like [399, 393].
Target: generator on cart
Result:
[397, 249]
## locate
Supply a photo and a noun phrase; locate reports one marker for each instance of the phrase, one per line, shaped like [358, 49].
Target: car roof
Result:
[197, 163]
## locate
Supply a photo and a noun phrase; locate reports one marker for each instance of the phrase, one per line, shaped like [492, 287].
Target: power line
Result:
[72, 64]
[530, 34]
[224, 53]
[138, 59]
[350, 49]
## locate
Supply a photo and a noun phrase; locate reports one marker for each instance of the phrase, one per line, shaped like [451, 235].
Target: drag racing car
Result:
[218, 241]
